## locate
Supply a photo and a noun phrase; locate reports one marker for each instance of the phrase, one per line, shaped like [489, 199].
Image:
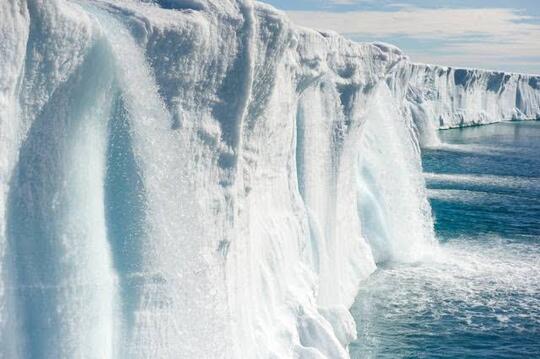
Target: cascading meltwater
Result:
[203, 178]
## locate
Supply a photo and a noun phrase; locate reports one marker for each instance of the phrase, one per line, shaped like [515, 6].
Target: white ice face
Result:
[442, 97]
[203, 179]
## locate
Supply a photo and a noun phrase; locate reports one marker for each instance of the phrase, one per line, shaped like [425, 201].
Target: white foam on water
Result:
[483, 285]
[471, 197]
[469, 148]
[512, 182]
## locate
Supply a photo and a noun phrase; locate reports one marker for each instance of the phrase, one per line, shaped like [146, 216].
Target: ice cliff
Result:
[440, 97]
[203, 179]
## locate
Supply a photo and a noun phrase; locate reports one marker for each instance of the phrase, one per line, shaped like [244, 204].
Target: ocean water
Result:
[478, 294]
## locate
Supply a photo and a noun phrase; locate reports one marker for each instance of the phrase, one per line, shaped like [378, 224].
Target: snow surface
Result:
[204, 179]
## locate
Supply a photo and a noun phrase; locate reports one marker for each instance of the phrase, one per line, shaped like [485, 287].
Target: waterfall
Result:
[392, 205]
[57, 235]
[157, 251]
[204, 178]
[165, 198]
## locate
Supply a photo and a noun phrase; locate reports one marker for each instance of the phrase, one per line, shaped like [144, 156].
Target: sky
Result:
[491, 34]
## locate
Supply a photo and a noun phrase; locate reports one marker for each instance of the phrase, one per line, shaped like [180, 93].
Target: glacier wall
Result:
[188, 178]
[439, 97]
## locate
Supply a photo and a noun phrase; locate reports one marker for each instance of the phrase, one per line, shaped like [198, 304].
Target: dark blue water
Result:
[488, 182]
[478, 295]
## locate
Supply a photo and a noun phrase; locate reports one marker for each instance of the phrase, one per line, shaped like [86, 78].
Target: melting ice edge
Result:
[204, 179]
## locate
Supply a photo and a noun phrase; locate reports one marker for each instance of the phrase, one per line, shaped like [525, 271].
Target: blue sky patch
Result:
[491, 34]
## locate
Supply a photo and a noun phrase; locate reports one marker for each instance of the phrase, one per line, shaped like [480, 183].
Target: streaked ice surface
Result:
[204, 179]
[479, 294]
[174, 172]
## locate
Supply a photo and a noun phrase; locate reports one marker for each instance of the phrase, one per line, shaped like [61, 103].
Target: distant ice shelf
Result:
[441, 97]
[204, 179]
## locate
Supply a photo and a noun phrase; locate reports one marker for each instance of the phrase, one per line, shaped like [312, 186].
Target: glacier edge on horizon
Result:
[189, 178]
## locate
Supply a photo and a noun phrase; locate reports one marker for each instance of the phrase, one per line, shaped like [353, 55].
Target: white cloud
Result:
[419, 22]
[348, 2]
[494, 36]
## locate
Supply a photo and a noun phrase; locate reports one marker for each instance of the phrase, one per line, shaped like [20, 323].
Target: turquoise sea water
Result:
[478, 295]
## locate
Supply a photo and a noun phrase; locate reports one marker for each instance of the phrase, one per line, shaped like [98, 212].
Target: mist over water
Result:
[478, 294]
